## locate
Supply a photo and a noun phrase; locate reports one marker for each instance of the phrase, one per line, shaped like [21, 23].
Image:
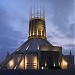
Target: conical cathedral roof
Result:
[32, 45]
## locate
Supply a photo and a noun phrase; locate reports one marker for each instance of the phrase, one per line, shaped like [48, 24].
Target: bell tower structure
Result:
[37, 27]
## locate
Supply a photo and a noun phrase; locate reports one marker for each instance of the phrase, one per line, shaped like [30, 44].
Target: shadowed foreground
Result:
[37, 72]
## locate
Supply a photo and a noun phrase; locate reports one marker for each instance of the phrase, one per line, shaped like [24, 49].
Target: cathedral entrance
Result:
[50, 62]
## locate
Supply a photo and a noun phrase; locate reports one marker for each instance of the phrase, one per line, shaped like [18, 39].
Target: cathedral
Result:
[37, 52]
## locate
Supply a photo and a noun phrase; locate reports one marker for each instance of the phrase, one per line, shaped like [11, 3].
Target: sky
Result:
[14, 24]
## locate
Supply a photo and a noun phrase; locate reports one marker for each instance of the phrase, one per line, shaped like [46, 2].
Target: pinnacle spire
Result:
[70, 53]
[30, 13]
[34, 11]
[40, 11]
[43, 13]
[37, 10]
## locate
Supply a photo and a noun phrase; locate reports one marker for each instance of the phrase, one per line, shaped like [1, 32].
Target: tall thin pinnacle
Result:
[40, 11]
[70, 53]
[30, 13]
[43, 13]
[34, 10]
[37, 10]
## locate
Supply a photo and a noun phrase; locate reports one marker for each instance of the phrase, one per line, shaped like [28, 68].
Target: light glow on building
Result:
[30, 33]
[22, 64]
[35, 62]
[54, 64]
[45, 64]
[38, 47]
[33, 31]
[64, 64]
[59, 63]
[42, 67]
[11, 64]
[27, 47]
[25, 62]
[41, 30]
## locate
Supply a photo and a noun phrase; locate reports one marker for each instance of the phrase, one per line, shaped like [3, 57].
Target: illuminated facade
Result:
[36, 52]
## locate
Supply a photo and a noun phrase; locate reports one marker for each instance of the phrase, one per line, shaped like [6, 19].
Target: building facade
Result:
[36, 52]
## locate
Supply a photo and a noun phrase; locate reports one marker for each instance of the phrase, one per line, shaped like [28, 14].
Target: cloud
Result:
[63, 41]
[10, 39]
[61, 17]
[70, 33]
